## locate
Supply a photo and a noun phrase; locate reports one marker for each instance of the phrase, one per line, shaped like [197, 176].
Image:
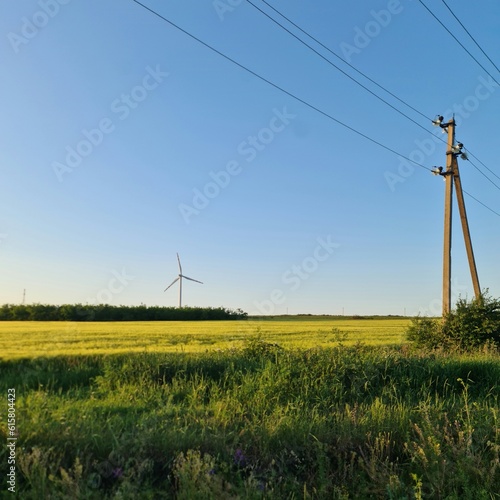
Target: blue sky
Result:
[124, 141]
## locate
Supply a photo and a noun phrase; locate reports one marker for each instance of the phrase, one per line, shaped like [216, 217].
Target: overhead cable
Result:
[459, 42]
[471, 37]
[281, 89]
[290, 94]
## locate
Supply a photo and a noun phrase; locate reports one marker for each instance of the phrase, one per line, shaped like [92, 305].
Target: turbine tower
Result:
[179, 279]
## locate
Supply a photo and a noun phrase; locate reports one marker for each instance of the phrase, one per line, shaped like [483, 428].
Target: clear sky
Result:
[124, 141]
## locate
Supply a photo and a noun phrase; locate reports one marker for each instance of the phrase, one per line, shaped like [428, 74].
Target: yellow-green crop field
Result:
[23, 339]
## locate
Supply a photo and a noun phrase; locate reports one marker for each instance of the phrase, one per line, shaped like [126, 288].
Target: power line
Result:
[338, 57]
[345, 62]
[281, 89]
[481, 203]
[477, 159]
[479, 170]
[479, 64]
[335, 66]
[483, 174]
[472, 38]
[293, 96]
[459, 42]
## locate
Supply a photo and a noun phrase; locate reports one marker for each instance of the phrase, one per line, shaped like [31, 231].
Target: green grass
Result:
[257, 421]
[20, 339]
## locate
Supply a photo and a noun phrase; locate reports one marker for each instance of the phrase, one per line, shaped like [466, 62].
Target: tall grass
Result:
[258, 422]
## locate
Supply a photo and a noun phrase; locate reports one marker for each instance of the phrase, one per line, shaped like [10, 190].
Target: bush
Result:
[426, 332]
[470, 325]
[474, 323]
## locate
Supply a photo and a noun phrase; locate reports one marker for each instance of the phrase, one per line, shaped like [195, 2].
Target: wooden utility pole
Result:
[448, 198]
[452, 177]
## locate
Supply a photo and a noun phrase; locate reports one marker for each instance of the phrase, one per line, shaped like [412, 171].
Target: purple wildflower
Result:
[239, 458]
[117, 472]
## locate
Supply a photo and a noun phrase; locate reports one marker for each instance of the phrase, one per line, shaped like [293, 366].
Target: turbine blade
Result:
[176, 279]
[191, 279]
[179, 261]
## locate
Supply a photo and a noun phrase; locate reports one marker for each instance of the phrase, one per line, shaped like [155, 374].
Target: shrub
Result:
[426, 332]
[475, 323]
[470, 325]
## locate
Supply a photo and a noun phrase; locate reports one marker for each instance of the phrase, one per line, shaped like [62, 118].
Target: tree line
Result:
[106, 312]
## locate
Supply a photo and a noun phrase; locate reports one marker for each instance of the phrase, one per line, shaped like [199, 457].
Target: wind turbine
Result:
[179, 279]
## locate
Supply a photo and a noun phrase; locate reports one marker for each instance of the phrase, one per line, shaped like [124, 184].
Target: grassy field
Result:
[26, 339]
[320, 408]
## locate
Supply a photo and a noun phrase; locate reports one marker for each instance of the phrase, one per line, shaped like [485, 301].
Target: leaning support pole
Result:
[465, 229]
